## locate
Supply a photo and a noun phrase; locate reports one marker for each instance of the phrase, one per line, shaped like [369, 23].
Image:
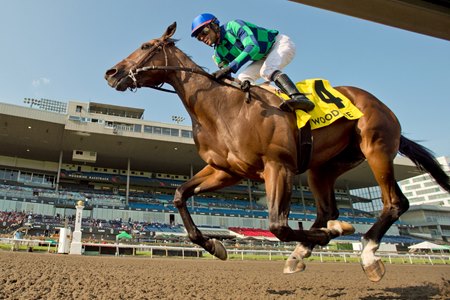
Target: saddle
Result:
[331, 105]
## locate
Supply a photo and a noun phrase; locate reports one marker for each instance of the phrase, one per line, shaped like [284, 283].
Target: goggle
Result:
[204, 32]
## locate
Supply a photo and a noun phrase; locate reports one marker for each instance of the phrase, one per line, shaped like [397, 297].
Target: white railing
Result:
[321, 256]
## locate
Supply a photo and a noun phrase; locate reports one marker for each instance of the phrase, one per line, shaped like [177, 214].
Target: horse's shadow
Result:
[281, 292]
[419, 292]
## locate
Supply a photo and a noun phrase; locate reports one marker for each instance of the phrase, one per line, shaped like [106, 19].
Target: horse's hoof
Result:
[219, 250]
[347, 228]
[293, 266]
[344, 228]
[375, 271]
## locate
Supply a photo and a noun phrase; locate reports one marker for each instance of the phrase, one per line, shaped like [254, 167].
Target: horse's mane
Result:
[174, 41]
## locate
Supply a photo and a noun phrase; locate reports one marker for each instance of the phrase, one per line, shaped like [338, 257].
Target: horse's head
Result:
[128, 74]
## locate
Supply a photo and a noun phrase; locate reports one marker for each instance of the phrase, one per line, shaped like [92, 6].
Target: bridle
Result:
[152, 51]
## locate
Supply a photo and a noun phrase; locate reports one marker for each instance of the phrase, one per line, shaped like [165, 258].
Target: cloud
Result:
[40, 81]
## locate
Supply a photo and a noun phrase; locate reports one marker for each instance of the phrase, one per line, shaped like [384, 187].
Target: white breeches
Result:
[282, 53]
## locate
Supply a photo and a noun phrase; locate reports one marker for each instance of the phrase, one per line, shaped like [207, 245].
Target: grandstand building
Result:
[126, 169]
[429, 214]
[422, 189]
[430, 222]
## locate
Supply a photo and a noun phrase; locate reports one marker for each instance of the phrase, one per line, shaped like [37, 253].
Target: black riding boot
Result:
[298, 100]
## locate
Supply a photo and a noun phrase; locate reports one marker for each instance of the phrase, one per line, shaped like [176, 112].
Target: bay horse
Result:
[240, 138]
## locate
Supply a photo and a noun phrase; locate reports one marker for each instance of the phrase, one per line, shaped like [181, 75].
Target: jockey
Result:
[238, 42]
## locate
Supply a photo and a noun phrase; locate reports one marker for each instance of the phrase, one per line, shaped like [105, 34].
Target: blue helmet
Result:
[201, 21]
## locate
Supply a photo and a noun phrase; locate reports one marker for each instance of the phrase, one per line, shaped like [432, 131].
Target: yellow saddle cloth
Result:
[330, 104]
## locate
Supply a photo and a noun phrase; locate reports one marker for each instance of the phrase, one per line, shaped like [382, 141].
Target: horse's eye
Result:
[145, 46]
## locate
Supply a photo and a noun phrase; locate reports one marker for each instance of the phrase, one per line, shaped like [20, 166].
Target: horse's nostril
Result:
[111, 72]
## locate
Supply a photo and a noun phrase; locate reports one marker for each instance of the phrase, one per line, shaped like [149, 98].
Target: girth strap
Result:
[305, 146]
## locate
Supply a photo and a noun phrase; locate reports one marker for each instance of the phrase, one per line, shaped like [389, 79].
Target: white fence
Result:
[322, 256]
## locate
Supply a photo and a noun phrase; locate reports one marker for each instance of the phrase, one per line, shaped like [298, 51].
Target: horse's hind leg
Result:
[208, 179]
[394, 205]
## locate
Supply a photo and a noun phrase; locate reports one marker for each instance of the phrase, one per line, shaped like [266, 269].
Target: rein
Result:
[132, 74]
[245, 86]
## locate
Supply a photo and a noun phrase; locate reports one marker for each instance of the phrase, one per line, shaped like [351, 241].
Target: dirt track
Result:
[52, 276]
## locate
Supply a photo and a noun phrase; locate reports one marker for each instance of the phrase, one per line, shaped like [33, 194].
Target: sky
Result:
[60, 50]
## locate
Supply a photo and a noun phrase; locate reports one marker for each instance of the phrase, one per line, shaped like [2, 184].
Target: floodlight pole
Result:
[127, 192]
[249, 190]
[58, 175]
[301, 194]
[192, 197]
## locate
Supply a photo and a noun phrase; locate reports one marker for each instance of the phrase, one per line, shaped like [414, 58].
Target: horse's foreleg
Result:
[278, 179]
[208, 179]
[321, 181]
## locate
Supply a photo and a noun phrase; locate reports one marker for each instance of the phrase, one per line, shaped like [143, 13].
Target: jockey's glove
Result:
[224, 72]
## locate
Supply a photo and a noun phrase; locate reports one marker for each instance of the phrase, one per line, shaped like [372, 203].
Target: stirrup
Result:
[293, 104]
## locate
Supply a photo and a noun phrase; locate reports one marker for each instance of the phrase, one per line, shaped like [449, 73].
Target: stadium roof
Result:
[429, 17]
[40, 135]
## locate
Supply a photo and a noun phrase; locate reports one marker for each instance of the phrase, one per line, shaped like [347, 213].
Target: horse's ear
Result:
[170, 30]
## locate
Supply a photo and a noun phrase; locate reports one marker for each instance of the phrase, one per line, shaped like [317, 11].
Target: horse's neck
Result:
[187, 84]
[199, 92]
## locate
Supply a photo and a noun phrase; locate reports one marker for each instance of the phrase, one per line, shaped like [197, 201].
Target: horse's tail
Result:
[424, 159]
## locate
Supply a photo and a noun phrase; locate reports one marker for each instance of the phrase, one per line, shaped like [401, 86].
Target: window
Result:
[74, 118]
[438, 196]
[38, 178]
[174, 132]
[79, 108]
[186, 133]
[416, 199]
[49, 179]
[25, 176]
[412, 187]
[157, 130]
[165, 131]
[148, 129]
[427, 191]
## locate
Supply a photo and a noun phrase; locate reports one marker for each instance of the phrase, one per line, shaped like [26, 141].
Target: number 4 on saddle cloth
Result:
[331, 105]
